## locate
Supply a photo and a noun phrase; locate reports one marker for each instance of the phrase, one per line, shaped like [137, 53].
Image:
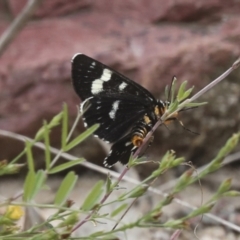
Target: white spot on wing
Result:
[106, 164]
[106, 76]
[112, 113]
[97, 86]
[92, 65]
[127, 144]
[122, 86]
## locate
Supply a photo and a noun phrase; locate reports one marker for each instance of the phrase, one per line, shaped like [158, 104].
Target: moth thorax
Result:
[161, 108]
[159, 111]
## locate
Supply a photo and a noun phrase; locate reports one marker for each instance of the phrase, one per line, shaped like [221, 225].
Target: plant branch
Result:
[18, 23]
[235, 65]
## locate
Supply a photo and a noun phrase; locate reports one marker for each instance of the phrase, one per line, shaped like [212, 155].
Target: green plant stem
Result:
[101, 202]
[68, 137]
[79, 115]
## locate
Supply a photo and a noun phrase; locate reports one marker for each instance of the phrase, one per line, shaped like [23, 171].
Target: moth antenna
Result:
[186, 109]
[181, 123]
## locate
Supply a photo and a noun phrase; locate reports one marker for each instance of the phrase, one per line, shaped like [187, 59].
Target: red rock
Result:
[161, 10]
[140, 10]
[51, 8]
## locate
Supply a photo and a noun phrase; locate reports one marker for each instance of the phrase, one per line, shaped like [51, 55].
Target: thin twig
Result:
[176, 234]
[227, 160]
[125, 212]
[79, 115]
[18, 23]
[235, 65]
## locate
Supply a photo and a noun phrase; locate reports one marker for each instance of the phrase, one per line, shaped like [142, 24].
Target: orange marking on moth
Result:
[157, 111]
[146, 119]
[137, 140]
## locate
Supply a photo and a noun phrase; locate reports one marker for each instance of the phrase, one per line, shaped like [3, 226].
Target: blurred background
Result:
[148, 41]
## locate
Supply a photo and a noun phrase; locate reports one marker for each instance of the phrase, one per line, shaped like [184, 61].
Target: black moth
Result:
[125, 110]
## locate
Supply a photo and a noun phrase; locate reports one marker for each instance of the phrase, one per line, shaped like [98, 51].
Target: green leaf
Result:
[39, 134]
[119, 209]
[179, 224]
[28, 186]
[56, 120]
[184, 180]
[201, 210]
[29, 156]
[187, 93]
[108, 184]
[97, 234]
[33, 183]
[93, 196]
[39, 180]
[64, 126]
[173, 106]
[192, 104]
[177, 161]
[173, 89]
[46, 235]
[132, 161]
[138, 191]
[5, 221]
[70, 220]
[232, 193]
[66, 165]
[81, 137]
[224, 151]
[165, 162]
[65, 188]
[225, 186]
[181, 91]
[47, 146]
[166, 201]
[166, 92]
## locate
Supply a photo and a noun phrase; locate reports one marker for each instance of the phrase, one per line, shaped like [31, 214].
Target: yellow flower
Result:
[14, 212]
